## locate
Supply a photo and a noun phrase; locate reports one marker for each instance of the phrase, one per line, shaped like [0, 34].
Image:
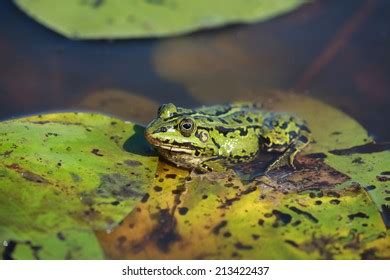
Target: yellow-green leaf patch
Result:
[64, 175]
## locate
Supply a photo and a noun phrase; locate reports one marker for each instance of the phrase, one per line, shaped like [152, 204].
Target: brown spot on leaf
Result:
[165, 232]
[241, 246]
[96, 152]
[363, 149]
[218, 227]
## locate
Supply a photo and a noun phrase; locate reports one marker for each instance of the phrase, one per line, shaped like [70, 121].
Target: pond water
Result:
[336, 51]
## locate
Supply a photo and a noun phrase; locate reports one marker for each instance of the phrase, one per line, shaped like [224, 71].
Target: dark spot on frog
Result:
[268, 215]
[281, 218]
[161, 180]
[205, 196]
[335, 201]
[255, 236]
[385, 173]
[292, 134]
[157, 188]
[304, 213]
[364, 225]
[249, 119]
[370, 188]
[218, 227]
[318, 202]
[96, 152]
[260, 222]
[387, 198]
[170, 176]
[358, 215]
[164, 233]
[237, 120]
[182, 210]
[241, 246]
[145, 198]
[223, 121]
[115, 203]
[132, 163]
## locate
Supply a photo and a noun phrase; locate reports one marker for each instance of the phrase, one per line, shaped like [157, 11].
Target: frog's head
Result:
[177, 130]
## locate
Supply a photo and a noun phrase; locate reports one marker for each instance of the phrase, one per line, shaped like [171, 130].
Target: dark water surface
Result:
[336, 51]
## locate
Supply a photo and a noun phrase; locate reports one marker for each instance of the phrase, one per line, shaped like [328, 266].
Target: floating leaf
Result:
[98, 19]
[64, 175]
[319, 211]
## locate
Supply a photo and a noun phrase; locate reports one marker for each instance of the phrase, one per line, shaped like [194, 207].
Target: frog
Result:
[217, 137]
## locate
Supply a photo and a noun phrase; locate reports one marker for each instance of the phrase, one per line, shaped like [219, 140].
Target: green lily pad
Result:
[99, 19]
[65, 175]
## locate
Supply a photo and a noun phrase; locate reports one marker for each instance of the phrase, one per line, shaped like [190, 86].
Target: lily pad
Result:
[99, 19]
[322, 210]
[64, 175]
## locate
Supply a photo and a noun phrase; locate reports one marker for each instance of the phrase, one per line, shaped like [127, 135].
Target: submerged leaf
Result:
[99, 19]
[64, 175]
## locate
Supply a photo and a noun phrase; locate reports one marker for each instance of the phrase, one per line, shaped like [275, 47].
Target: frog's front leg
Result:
[288, 156]
[210, 165]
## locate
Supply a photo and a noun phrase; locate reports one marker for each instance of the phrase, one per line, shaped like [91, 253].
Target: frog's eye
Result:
[187, 126]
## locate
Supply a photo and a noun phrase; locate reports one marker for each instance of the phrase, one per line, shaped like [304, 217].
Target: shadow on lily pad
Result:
[137, 144]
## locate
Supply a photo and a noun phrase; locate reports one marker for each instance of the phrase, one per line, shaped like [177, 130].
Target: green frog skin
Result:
[208, 138]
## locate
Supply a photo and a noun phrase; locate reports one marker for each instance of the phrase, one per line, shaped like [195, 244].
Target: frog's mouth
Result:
[185, 148]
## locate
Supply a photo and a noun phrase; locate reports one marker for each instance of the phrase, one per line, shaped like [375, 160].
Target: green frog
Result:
[222, 136]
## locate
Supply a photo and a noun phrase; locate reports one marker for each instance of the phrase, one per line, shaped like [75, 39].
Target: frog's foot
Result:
[287, 158]
[283, 160]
